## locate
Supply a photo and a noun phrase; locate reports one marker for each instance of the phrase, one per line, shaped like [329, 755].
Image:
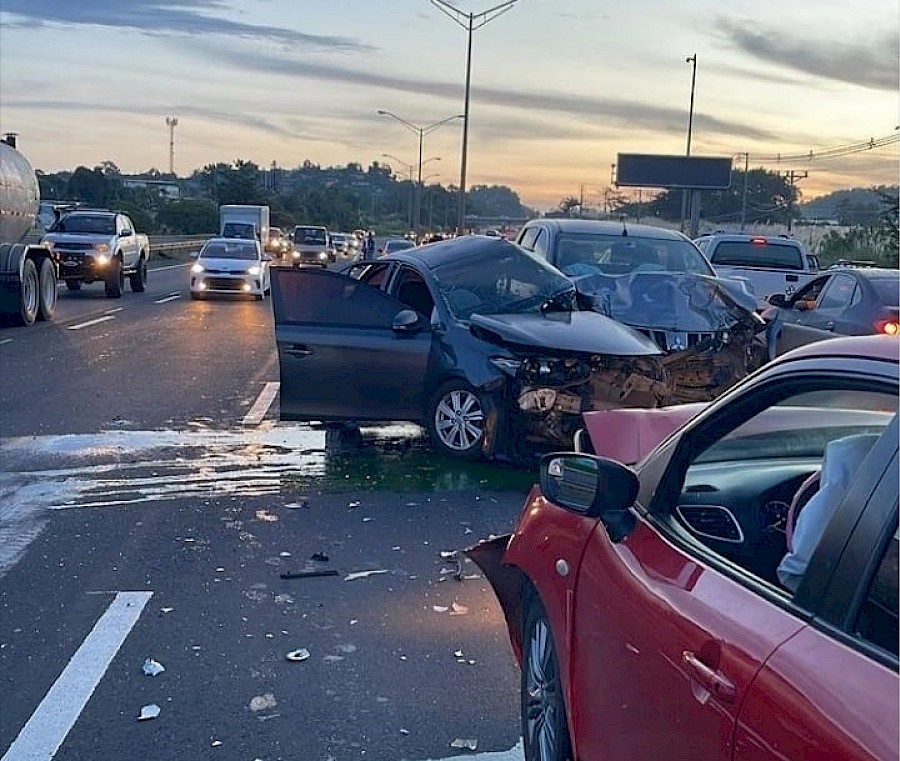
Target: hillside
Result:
[840, 202]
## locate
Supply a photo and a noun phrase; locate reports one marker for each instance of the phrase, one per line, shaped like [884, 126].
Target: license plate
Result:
[70, 263]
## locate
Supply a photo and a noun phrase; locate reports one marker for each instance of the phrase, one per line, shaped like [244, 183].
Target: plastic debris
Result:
[458, 653]
[355, 503]
[461, 743]
[298, 655]
[220, 569]
[263, 702]
[440, 608]
[458, 610]
[297, 505]
[404, 731]
[319, 557]
[166, 610]
[215, 743]
[152, 667]
[284, 554]
[366, 520]
[448, 554]
[364, 574]
[265, 515]
[148, 712]
[309, 573]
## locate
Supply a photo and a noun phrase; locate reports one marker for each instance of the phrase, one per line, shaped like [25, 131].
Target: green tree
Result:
[188, 216]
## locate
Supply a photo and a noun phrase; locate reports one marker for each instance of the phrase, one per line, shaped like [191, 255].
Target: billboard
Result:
[650, 170]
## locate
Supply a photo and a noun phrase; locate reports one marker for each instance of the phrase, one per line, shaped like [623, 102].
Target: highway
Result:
[150, 502]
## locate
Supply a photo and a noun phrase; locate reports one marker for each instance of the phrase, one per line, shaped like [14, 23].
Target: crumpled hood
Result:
[583, 332]
[673, 301]
[84, 239]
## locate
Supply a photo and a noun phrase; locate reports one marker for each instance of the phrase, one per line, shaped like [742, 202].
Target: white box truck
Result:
[238, 221]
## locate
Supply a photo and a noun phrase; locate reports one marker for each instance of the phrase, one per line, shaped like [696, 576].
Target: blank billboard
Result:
[650, 170]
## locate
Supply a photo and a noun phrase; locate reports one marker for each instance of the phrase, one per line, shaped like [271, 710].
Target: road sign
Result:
[649, 170]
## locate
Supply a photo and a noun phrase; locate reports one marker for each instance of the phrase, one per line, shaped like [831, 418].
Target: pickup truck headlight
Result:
[102, 259]
[296, 254]
[101, 248]
[323, 256]
[254, 270]
[198, 268]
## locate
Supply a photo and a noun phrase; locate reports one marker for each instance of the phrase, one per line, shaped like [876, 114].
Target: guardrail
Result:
[163, 244]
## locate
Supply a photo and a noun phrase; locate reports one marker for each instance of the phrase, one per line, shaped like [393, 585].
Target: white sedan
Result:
[230, 265]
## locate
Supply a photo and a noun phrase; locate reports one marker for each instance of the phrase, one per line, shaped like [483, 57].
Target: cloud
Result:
[872, 64]
[162, 18]
[606, 111]
[157, 110]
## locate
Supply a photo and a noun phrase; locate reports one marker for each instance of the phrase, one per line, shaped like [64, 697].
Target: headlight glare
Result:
[198, 268]
[254, 270]
[102, 259]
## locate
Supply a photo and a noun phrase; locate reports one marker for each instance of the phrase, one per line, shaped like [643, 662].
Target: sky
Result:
[559, 87]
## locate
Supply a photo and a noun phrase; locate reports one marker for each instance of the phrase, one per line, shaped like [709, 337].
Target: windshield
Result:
[398, 245]
[314, 236]
[887, 289]
[229, 250]
[513, 282]
[101, 224]
[589, 254]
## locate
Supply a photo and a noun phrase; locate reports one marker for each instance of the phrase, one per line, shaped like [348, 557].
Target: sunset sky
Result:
[559, 86]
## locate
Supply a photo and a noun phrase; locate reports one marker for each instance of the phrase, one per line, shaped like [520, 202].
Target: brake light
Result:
[758, 241]
[888, 327]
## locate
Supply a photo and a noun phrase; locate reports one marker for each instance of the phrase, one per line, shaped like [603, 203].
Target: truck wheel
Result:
[28, 294]
[73, 285]
[115, 280]
[47, 282]
[138, 278]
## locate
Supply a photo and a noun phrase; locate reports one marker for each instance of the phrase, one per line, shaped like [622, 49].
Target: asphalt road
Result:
[142, 515]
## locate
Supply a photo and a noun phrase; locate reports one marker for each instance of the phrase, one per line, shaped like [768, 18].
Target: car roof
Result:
[740, 237]
[607, 227]
[881, 347]
[457, 249]
[872, 273]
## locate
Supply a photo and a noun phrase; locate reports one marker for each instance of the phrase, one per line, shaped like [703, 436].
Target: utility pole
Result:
[691, 59]
[581, 202]
[744, 193]
[792, 176]
[172, 123]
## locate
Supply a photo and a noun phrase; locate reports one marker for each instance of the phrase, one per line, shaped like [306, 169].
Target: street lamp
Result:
[470, 22]
[421, 131]
[691, 59]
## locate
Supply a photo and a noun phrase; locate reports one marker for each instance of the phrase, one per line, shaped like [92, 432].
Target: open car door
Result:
[346, 350]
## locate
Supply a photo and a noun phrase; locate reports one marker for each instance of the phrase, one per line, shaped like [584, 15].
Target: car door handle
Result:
[718, 684]
[298, 350]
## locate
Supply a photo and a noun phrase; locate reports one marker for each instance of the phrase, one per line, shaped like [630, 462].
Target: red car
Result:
[731, 596]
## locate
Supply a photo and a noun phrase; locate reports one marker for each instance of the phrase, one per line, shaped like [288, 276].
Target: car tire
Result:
[29, 289]
[138, 279]
[455, 420]
[544, 725]
[73, 285]
[115, 280]
[47, 289]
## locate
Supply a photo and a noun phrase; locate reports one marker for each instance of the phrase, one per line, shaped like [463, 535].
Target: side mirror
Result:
[778, 300]
[407, 321]
[126, 233]
[268, 258]
[595, 487]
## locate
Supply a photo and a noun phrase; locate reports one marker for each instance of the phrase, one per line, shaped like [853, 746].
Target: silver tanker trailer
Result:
[28, 273]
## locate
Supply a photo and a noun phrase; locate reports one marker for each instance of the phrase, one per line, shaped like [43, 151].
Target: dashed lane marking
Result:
[87, 324]
[5, 341]
[170, 297]
[48, 726]
[171, 266]
[262, 404]
[113, 311]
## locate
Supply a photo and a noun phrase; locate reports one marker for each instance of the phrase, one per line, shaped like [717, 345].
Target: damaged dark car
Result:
[492, 349]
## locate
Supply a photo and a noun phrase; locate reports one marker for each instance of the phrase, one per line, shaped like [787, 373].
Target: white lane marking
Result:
[170, 267]
[170, 297]
[5, 341]
[87, 324]
[48, 726]
[516, 753]
[262, 404]
[113, 311]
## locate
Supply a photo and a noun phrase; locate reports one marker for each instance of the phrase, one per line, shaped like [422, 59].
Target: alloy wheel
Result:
[543, 714]
[459, 420]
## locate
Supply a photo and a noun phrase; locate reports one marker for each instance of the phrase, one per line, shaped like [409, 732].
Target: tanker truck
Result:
[28, 273]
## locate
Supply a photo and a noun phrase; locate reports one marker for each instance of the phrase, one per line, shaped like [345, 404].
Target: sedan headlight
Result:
[101, 248]
[198, 268]
[254, 270]
[507, 365]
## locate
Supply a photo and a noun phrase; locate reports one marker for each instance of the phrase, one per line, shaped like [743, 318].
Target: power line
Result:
[827, 153]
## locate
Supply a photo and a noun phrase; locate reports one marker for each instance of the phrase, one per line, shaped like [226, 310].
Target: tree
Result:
[568, 205]
[88, 185]
[188, 216]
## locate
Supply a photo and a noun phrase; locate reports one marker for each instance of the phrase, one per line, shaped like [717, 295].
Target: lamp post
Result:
[408, 168]
[471, 22]
[421, 131]
[691, 59]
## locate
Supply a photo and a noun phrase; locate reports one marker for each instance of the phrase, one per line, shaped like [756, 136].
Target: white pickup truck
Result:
[768, 264]
[99, 245]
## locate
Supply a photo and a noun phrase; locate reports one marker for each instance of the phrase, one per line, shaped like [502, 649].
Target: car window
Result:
[326, 298]
[836, 297]
[877, 621]
[758, 252]
[528, 237]
[542, 243]
[231, 249]
[809, 294]
[373, 273]
[412, 290]
[887, 290]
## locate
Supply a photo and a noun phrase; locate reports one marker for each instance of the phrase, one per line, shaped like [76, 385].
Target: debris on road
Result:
[458, 610]
[166, 610]
[152, 667]
[215, 743]
[440, 608]
[404, 731]
[310, 573]
[266, 516]
[263, 702]
[297, 505]
[364, 574]
[464, 744]
[446, 554]
[319, 557]
[148, 712]
[298, 655]
[355, 503]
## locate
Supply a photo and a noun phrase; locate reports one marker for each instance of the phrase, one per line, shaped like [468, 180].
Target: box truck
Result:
[238, 221]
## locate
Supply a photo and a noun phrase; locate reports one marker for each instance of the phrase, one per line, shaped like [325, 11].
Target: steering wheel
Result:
[804, 494]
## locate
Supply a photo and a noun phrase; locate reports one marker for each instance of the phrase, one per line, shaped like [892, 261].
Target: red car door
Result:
[667, 649]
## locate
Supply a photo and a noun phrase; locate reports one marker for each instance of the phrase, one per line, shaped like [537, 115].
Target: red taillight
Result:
[759, 241]
[888, 327]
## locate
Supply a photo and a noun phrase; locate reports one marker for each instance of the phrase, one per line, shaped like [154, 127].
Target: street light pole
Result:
[744, 194]
[471, 22]
[421, 131]
[691, 59]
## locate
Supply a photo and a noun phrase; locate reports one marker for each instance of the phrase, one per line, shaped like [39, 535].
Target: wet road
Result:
[141, 516]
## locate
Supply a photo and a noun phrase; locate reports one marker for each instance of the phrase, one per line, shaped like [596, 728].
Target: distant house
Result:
[168, 189]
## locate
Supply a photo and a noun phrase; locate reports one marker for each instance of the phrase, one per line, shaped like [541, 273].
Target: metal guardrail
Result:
[172, 243]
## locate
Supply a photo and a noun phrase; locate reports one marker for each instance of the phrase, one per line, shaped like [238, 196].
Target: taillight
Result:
[888, 327]
[758, 241]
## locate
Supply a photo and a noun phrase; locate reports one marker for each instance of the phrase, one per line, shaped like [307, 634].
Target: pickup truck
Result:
[99, 245]
[767, 264]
